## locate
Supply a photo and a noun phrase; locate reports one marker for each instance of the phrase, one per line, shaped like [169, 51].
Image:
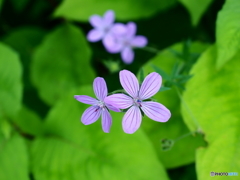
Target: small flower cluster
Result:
[136, 99]
[116, 37]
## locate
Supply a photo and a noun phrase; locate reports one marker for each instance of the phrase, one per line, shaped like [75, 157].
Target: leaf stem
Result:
[117, 91]
[183, 136]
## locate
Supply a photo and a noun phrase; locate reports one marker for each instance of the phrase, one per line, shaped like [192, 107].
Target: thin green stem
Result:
[151, 49]
[117, 91]
[183, 136]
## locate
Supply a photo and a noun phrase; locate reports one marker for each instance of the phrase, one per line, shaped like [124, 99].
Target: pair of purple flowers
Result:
[117, 38]
[135, 100]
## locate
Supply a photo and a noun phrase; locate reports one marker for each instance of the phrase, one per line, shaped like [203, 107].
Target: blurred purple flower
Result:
[150, 86]
[124, 41]
[99, 107]
[102, 26]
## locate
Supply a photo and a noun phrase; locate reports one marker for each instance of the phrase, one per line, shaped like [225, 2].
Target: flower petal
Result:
[156, 111]
[119, 29]
[95, 35]
[131, 29]
[86, 99]
[91, 115]
[96, 21]
[132, 120]
[110, 107]
[109, 17]
[127, 55]
[100, 88]
[129, 82]
[120, 101]
[106, 121]
[111, 44]
[139, 41]
[150, 86]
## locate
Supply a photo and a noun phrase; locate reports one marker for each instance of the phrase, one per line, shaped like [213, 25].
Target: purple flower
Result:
[99, 106]
[124, 41]
[103, 27]
[150, 86]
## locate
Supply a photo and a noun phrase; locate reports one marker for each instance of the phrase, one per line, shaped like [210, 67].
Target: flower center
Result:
[106, 29]
[101, 104]
[126, 43]
[137, 102]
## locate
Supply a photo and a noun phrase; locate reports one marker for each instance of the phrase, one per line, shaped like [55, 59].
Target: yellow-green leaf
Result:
[213, 98]
[10, 81]
[61, 62]
[124, 9]
[14, 162]
[196, 8]
[228, 32]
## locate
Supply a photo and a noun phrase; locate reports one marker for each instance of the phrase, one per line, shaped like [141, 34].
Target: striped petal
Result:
[90, 115]
[120, 101]
[132, 120]
[129, 82]
[110, 107]
[106, 121]
[156, 111]
[100, 88]
[150, 86]
[86, 99]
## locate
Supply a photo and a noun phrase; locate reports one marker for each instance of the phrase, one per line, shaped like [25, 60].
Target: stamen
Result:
[101, 104]
[137, 102]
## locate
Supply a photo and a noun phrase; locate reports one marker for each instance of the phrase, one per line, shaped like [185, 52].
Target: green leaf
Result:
[185, 49]
[1, 2]
[141, 75]
[124, 9]
[28, 122]
[228, 34]
[10, 81]
[74, 151]
[213, 99]
[196, 8]
[13, 158]
[219, 158]
[183, 78]
[112, 66]
[61, 62]
[164, 89]
[175, 70]
[19, 4]
[183, 151]
[5, 128]
[161, 72]
[24, 40]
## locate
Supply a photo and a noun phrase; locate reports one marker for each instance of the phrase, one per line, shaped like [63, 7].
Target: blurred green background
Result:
[45, 59]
